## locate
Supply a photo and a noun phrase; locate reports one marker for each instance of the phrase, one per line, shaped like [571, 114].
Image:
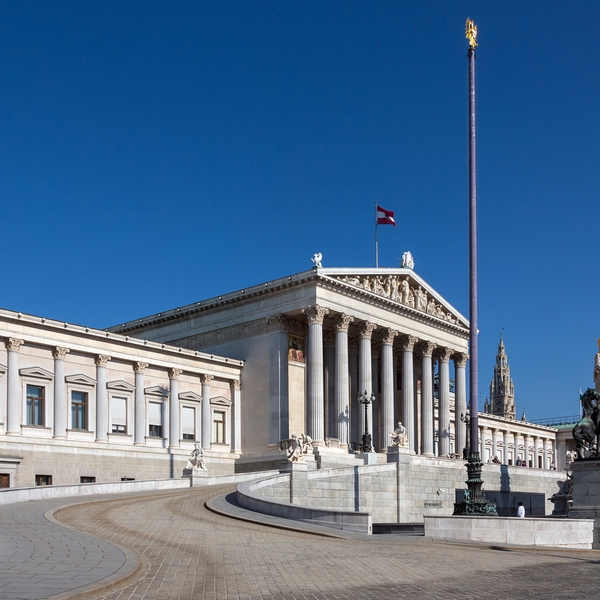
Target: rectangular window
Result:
[79, 404]
[188, 422]
[43, 480]
[219, 427]
[35, 405]
[4, 480]
[155, 419]
[118, 408]
[87, 480]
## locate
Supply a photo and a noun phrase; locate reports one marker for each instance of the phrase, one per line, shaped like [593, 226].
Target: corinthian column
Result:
[342, 380]
[206, 420]
[460, 401]
[139, 431]
[407, 343]
[315, 408]
[13, 415]
[387, 385]
[427, 398]
[174, 407]
[365, 378]
[236, 425]
[101, 398]
[444, 406]
[60, 393]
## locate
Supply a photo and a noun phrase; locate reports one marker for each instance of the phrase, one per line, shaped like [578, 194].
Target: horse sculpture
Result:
[587, 431]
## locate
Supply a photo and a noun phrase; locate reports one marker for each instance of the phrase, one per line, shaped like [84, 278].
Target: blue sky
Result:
[156, 154]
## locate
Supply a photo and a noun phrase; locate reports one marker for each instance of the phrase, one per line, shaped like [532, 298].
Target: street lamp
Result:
[466, 419]
[365, 399]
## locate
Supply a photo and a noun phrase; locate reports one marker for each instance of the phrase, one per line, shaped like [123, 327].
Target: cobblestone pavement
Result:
[39, 558]
[189, 552]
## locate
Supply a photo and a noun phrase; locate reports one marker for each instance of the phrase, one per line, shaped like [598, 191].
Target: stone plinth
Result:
[369, 458]
[298, 480]
[586, 493]
[398, 454]
[545, 532]
[197, 477]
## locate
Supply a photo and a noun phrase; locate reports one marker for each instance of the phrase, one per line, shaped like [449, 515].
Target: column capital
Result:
[315, 313]
[174, 373]
[388, 336]
[139, 367]
[13, 344]
[205, 378]
[101, 360]
[366, 329]
[59, 353]
[427, 348]
[460, 359]
[342, 322]
[444, 354]
[407, 342]
[236, 384]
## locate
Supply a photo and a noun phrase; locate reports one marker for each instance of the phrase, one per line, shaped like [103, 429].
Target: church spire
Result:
[502, 390]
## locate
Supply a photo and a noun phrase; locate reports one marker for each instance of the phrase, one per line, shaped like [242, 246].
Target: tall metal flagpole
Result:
[376, 239]
[475, 501]
[473, 349]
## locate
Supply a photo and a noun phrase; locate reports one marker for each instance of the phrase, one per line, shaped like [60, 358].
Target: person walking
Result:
[520, 511]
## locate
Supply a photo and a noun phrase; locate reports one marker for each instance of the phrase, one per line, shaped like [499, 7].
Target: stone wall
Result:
[406, 492]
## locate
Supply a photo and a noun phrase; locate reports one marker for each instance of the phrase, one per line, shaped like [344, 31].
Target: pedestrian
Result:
[520, 511]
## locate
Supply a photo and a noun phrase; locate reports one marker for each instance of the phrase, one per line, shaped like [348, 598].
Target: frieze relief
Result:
[398, 289]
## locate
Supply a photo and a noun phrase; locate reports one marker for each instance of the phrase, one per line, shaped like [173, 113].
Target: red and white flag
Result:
[385, 217]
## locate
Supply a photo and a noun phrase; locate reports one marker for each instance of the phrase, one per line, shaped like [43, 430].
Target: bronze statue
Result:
[587, 431]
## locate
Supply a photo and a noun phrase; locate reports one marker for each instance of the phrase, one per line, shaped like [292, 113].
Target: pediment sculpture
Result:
[398, 289]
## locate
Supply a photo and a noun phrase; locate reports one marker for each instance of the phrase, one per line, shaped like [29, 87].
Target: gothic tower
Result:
[502, 390]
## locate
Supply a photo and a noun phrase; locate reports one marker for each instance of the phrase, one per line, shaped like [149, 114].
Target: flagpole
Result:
[376, 240]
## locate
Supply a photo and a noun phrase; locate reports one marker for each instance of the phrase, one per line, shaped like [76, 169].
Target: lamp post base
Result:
[475, 502]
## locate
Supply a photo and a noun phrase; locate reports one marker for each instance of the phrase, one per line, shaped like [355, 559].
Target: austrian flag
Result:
[385, 217]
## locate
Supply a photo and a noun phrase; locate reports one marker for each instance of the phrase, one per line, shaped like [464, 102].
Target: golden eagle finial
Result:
[471, 33]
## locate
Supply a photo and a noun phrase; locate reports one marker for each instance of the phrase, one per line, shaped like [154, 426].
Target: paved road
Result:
[189, 552]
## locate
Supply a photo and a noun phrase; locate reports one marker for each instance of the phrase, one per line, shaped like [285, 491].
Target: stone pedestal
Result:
[197, 477]
[398, 454]
[298, 480]
[586, 494]
[369, 458]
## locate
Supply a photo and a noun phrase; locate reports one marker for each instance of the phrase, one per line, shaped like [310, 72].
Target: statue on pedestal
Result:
[587, 431]
[296, 447]
[399, 437]
[196, 459]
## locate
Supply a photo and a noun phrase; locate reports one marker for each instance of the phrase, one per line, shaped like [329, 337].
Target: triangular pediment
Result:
[190, 396]
[156, 390]
[80, 379]
[220, 401]
[120, 386]
[36, 372]
[402, 287]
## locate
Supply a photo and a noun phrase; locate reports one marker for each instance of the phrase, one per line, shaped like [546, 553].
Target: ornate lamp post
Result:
[466, 419]
[365, 399]
[475, 502]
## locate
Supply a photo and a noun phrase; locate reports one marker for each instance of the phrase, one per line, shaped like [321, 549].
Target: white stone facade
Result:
[80, 405]
[313, 341]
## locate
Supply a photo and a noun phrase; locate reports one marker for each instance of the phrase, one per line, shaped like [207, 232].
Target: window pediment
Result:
[156, 390]
[220, 401]
[80, 379]
[120, 385]
[190, 396]
[36, 372]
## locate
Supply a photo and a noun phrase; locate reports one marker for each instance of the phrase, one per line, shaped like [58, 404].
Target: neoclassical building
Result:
[84, 405]
[313, 341]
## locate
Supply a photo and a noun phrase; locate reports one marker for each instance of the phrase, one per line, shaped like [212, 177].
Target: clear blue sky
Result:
[157, 153]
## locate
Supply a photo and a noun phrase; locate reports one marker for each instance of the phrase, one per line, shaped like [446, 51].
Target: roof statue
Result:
[317, 258]
[471, 33]
[408, 262]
